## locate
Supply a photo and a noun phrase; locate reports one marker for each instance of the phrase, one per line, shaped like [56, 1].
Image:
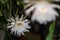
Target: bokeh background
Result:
[8, 8]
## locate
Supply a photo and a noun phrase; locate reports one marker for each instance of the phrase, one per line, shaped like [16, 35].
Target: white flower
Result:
[43, 11]
[19, 26]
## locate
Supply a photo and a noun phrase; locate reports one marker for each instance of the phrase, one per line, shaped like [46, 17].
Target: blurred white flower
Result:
[19, 26]
[43, 11]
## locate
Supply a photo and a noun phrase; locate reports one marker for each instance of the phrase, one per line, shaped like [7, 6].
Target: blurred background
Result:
[8, 8]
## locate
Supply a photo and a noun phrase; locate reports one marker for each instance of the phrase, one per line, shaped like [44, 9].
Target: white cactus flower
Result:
[43, 11]
[19, 26]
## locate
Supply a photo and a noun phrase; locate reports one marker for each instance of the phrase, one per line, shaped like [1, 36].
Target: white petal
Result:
[12, 19]
[28, 5]
[22, 33]
[8, 20]
[55, 6]
[12, 23]
[26, 1]
[29, 10]
[26, 21]
[17, 18]
[26, 30]
[27, 26]
[9, 26]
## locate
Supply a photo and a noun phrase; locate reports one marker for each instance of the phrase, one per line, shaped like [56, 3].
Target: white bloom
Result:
[19, 26]
[43, 11]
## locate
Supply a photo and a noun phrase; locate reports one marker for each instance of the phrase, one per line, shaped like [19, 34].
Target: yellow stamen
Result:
[43, 10]
[20, 24]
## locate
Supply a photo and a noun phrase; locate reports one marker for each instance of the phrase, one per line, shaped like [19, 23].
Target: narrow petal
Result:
[26, 30]
[26, 21]
[22, 33]
[17, 18]
[26, 1]
[55, 6]
[12, 23]
[29, 10]
[9, 26]
[9, 20]
[12, 19]
[28, 5]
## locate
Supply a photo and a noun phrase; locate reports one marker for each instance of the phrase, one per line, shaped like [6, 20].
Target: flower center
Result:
[19, 24]
[43, 10]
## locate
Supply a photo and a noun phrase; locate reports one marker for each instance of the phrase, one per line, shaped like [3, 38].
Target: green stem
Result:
[51, 31]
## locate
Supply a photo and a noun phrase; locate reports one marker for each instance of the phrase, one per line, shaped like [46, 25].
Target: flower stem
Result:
[51, 31]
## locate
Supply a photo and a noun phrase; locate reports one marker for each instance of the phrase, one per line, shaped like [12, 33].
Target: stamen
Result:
[19, 25]
[43, 10]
